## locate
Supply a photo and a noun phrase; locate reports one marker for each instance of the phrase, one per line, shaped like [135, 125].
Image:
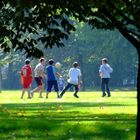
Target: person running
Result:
[104, 73]
[52, 74]
[74, 80]
[26, 78]
[39, 76]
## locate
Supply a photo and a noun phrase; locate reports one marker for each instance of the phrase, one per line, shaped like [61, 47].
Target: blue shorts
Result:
[50, 84]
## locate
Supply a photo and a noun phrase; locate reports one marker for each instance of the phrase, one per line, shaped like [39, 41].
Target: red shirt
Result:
[26, 76]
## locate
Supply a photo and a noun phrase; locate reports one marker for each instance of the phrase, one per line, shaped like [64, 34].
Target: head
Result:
[27, 61]
[51, 62]
[75, 64]
[104, 60]
[58, 65]
[42, 60]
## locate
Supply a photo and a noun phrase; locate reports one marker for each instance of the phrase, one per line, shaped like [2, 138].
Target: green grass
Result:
[90, 117]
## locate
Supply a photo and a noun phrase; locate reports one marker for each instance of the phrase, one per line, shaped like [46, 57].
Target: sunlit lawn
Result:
[90, 117]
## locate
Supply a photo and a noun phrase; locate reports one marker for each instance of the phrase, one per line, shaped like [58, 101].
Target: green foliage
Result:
[91, 47]
[88, 48]
[52, 21]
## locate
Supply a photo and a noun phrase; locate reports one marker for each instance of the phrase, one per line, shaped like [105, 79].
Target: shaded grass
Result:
[88, 118]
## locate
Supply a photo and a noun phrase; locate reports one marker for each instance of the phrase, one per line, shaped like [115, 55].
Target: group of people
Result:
[50, 72]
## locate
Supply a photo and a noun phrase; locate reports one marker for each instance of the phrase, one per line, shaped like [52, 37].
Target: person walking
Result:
[51, 73]
[74, 80]
[104, 73]
[26, 78]
[39, 76]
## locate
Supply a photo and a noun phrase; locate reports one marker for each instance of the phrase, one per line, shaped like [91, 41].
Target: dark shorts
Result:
[39, 81]
[50, 84]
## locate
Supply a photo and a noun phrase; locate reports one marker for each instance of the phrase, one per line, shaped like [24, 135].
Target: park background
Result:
[87, 47]
[32, 27]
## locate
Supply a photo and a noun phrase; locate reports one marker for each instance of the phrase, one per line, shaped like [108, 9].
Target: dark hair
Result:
[27, 61]
[41, 59]
[105, 60]
[51, 61]
[75, 64]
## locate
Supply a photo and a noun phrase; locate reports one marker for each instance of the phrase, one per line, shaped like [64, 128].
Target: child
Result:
[74, 80]
[26, 78]
[52, 74]
[39, 75]
[104, 73]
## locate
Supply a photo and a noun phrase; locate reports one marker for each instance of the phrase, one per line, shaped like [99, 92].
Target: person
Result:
[26, 78]
[104, 73]
[39, 76]
[74, 80]
[58, 65]
[61, 83]
[52, 74]
[60, 80]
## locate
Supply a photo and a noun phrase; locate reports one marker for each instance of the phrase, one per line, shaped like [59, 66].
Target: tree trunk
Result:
[138, 98]
[0, 80]
[10, 77]
[136, 43]
[82, 71]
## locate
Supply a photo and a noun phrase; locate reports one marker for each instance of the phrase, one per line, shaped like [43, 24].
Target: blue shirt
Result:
[50, 71]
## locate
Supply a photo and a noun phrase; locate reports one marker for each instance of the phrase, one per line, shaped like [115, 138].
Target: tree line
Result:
[88, 48]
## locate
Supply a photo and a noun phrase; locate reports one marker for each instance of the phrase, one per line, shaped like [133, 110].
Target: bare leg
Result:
[29, 94]
[37, 89]
[23, 92]
[34, 90]
[47, 93]
[57, 94]
[41, 91]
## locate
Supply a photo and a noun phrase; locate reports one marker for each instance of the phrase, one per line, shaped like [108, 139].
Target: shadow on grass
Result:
[60, 121]
[32, 106]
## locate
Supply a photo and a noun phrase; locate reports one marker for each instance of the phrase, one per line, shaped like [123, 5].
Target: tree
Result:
[8, 62]
[51, 22]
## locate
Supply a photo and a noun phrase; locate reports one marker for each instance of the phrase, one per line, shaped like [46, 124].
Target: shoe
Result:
[32, 94]
[29, 97]
[46, 97]
[75, 95]
[108, 95]
[60, 96]
[103, 95]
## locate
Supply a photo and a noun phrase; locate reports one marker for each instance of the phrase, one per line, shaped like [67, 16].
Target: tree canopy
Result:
[25, 23]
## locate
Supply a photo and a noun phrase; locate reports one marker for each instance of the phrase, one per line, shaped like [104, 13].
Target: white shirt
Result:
[39, 70]
[105, 71]
[74, 74]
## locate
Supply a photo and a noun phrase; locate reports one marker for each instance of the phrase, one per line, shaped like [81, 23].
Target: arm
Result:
[101, 71]
[58, 74]
[110, 70]
[80, 78]
[30, 72]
